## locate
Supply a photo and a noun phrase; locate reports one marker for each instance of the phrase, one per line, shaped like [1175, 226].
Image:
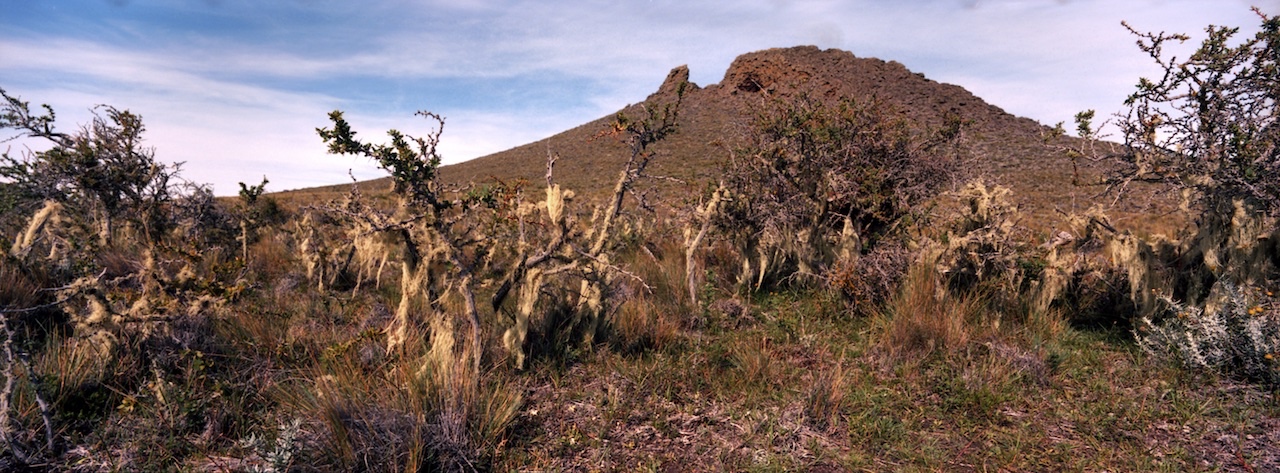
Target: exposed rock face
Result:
[671, 85]
[771, 71]
[833, 73]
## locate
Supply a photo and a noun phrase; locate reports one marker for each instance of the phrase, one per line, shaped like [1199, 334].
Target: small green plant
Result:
[278, 455]
[253, 211]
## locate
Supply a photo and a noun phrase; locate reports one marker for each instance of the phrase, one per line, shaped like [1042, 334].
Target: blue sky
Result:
[235, 88]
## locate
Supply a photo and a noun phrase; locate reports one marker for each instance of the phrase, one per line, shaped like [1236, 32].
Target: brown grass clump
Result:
[826, 396]
[924, 318]
[643, 324]
[17, 290]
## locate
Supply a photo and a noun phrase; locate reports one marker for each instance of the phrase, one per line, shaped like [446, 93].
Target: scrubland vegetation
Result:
[844, 297]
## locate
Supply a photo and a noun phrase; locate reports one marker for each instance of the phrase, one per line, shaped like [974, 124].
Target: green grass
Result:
[738, 399]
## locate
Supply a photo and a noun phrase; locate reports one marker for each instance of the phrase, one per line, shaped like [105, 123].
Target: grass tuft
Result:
[923, 318]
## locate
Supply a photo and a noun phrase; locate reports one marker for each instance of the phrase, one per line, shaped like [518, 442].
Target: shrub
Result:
[1206, 127]
[452, 243]
[103, 171]
[820, 181]
[142, 289]
[1207, 130]
[1240, 338]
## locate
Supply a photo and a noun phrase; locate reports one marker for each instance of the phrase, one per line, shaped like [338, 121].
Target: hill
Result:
[1006, 149]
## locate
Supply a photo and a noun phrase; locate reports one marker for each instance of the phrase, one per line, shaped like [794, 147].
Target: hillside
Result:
[1005, 149]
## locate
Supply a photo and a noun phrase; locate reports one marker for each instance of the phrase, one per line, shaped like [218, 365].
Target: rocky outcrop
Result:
[669, 87]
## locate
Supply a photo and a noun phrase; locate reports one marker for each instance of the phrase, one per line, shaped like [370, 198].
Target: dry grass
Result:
[17, 289]
[826, 397]
[924, 318]
[784, 382]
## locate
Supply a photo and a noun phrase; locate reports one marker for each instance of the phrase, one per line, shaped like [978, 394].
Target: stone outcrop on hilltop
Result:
[672, 83]
[833, 73]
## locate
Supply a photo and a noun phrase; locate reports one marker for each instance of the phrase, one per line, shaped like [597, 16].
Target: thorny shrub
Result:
[1206, 129]
[127, 254]
[1241, 338]
[822, 181]
[102, 171]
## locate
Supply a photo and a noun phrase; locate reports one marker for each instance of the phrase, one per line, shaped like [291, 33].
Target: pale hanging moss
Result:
[556, 200]
[515, 335]
[703, 217]
[439, 363]
[140, 308]
[48, 215]
[372, 252]
[984, 244]
[591, 305]
[850, 242]
[311, 251]
[1135, 256]
[185, 276]
[413, 277]
[204, 303]
[1076, 252]
[97, 322]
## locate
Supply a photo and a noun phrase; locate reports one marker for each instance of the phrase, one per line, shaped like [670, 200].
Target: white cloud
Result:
[237, 103]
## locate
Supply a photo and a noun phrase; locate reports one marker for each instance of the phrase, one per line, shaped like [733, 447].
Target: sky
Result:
[235, 89]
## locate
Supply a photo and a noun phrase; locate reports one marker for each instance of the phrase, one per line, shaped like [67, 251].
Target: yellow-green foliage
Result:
[1071, 254]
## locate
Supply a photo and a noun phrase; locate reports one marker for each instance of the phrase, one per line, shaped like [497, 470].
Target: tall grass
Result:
[924, 318]
[423, 409]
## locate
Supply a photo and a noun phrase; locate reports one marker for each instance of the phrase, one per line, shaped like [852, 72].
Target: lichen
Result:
[48, 215]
